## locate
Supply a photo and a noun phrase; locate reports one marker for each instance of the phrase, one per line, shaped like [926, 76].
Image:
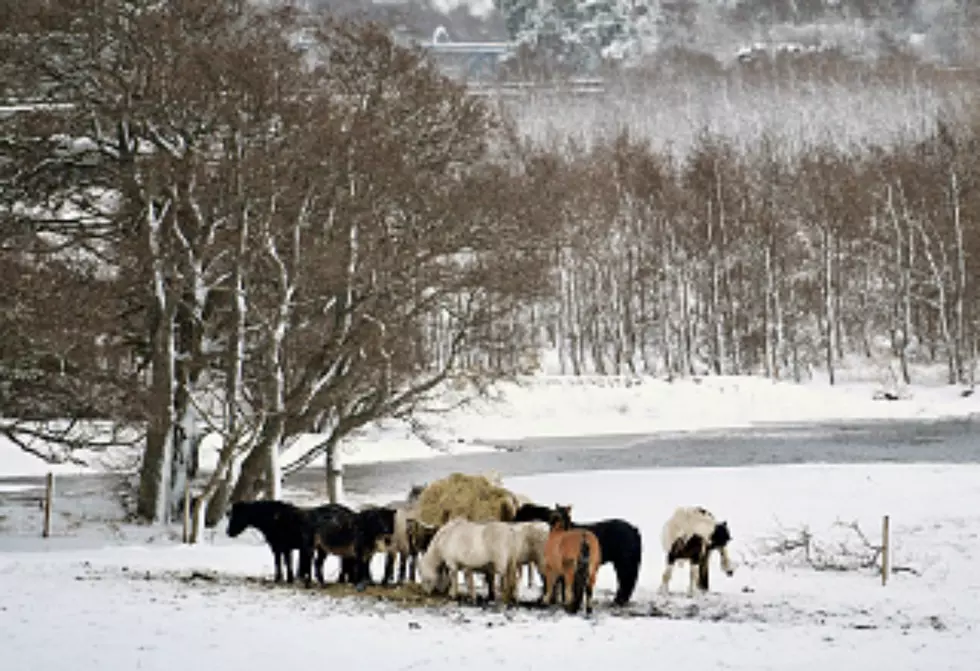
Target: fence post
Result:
[187, 513]
[48, 497]
[884, 550]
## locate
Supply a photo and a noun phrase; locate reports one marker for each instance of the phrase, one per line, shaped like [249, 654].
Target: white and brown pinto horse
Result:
[691, 534]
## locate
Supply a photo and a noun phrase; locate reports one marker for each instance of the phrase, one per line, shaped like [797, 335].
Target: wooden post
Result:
[48, 496]
[187, 513]
[884, 550]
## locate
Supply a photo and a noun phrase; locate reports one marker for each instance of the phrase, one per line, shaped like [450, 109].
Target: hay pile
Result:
[474, 497]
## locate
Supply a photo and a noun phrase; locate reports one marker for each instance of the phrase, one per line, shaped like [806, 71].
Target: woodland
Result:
[205, 228]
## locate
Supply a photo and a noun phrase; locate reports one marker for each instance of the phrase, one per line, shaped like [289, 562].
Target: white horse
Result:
[530, 538]
[690, 535]
[487, 547]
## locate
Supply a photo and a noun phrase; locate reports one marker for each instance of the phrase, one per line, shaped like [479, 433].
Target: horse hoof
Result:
[360, 587]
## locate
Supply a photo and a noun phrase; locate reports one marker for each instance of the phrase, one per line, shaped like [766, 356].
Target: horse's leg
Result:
[547, 596]
[703, 570]
[453, 581]
[589, 586]
[389, 569]
[288, 557]
[668, 572]
[471, 584]
[277, 560]
[491, 578]
[694, 577]
[402, 565]
[321, 557]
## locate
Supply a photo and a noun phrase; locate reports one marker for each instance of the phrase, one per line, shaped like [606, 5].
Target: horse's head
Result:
[377, 526]
[720, 537]
[420, 534]
[561, 517]
[433, 574]
[238, 519]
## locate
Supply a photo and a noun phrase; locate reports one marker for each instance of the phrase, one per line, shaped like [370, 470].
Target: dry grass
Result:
[471, 496]
[405, 595]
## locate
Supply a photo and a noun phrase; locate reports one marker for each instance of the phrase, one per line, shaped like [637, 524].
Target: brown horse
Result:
[574, 556]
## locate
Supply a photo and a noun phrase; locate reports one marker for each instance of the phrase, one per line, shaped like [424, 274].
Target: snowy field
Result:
[137, 606]
[559, 406]
[104, 594]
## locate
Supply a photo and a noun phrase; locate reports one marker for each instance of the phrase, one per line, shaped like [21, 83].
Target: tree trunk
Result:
[830, 317]
[961, 282]
[156, 469]
[185, 443]
[334, 474]
[767, 318]
[250, 481]
[155, 472]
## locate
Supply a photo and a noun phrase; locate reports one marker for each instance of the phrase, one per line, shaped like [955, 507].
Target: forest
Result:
[207, 229]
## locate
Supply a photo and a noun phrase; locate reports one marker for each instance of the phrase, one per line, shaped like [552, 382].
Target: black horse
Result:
[353, 536]
[282, 524]
[620, 542]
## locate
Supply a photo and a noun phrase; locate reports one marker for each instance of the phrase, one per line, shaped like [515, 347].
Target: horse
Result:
[410, 538]
[281, 524]
[488, 547]
[691, 534]
[530, 538]
[353, 536]
[574, 556]
[529, 542]
[621, 544]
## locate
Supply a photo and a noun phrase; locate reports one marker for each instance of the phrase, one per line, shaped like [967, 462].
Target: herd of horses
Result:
[566, 554]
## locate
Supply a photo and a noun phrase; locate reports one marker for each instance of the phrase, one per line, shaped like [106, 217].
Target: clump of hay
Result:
[406, 595]
[473, 497]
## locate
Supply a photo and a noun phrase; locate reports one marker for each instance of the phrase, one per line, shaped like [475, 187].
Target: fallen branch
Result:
[852, 552]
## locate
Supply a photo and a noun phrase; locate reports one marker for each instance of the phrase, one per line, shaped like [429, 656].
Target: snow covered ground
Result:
[115, 604]
[581, 406]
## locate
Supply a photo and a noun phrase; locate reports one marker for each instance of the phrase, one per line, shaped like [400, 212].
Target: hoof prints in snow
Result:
[736, 610]
[382, 601]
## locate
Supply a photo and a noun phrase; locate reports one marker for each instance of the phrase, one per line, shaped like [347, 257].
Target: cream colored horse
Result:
[461, 545]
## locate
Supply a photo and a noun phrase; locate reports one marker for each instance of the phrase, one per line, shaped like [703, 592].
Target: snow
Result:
[558, 406]
[115, 604]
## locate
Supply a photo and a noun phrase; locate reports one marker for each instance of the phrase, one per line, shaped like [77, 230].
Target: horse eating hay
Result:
[471, 546]
[531, 538]
[691, 534]
[410, 538]
[574, 556]
[281, 524]
[353, 536]
[472, 497]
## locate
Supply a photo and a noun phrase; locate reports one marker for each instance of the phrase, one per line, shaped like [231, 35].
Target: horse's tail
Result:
[627, 565]
[581, 578]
